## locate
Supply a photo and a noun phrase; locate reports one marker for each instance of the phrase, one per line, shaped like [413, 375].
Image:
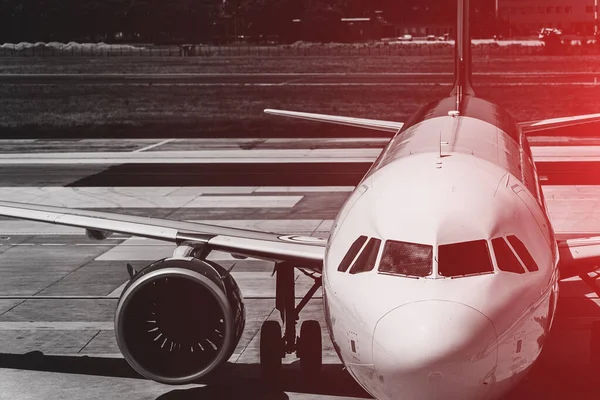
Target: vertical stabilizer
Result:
[462, 54]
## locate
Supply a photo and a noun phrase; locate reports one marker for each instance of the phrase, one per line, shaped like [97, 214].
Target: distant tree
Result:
[195, 20]
[267, 17]
[322, 22]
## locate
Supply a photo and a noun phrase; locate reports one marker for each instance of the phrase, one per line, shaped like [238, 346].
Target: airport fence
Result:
[308, 50]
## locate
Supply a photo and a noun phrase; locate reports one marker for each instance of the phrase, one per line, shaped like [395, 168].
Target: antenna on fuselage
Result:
[462, 55]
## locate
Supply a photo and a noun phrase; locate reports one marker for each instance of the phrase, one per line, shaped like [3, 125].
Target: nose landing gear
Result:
[308, 346]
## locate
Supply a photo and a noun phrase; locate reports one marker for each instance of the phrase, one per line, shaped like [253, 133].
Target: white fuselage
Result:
[443, 180]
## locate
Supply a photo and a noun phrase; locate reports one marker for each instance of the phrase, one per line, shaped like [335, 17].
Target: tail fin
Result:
[462, 54]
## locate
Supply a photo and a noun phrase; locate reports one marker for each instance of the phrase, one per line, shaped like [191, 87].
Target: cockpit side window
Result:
[523, 253]
[466, 258]
[404, 258]
[352, 252]
[507, 261]
[366, 261]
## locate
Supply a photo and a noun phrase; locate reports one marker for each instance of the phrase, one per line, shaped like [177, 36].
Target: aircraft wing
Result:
[574, 252]
[374, 124]
[305, 251]
[553, 123]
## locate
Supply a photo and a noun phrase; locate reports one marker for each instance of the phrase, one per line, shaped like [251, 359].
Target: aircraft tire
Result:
[310, 348]
[271, 349]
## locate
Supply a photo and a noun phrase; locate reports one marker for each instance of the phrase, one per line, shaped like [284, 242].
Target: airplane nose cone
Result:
[435, 350]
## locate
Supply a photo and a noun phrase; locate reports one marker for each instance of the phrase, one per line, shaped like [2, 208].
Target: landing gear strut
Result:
[273, 345]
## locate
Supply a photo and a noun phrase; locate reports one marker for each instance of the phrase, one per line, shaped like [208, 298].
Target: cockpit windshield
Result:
[466, 258]
[410, 259]
[454, 260]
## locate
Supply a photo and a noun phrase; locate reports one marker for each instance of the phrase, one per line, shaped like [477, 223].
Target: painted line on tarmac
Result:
[61, 244]
[152, 159]
[152, 146]
[83, 355]
[117, 292]
[97, 244]
[237, 156]
[304, 189]
[71, 198]
[56, 326]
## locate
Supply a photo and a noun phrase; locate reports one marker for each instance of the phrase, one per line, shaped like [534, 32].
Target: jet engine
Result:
[178, 319]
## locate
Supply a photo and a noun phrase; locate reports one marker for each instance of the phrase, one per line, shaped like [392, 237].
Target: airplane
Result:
[439, 277]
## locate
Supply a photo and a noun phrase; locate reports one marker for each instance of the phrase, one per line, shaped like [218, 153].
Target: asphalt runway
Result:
[302, 79]
[238, 174]
[58, 347]
[232, 162]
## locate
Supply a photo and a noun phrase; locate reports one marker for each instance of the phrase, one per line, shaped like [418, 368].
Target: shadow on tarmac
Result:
[233, 381]
[548, 380]
[288, 174]
[227, 174]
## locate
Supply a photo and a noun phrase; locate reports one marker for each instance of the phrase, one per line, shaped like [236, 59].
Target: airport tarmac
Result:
[302, 79]
[60, 345]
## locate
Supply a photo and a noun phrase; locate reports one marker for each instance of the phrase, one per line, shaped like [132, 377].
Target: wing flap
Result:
[307, 251]
[386, 126]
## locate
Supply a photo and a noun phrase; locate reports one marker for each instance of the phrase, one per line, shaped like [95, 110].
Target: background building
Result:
[526, 17]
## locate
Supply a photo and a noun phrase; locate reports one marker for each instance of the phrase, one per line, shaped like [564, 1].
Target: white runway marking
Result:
[198, 143]
[152, 146]
[303, 189]
[144, 197]
[117, 292]
[56, 326]
[244, 202]
[280, 156]
[153, 194]
[233, 156]
[95, 244]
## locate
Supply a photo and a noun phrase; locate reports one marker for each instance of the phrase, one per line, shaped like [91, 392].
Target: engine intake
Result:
[179, 319]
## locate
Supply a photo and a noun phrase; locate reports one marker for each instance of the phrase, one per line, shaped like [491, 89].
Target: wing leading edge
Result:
[373, 124]
[305, 251]
[554, 123]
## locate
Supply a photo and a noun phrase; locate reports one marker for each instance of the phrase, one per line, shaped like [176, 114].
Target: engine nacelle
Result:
[179, 319]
